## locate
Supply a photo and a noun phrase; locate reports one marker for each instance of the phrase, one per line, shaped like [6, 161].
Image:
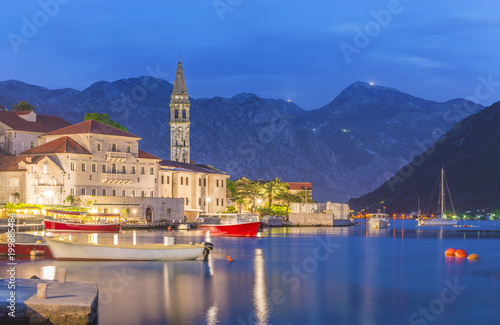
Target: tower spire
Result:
[179, 119]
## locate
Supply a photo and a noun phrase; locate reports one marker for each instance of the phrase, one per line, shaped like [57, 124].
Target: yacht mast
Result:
[441, 194]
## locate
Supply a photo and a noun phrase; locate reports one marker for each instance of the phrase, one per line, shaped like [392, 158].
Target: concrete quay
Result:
[73, 302]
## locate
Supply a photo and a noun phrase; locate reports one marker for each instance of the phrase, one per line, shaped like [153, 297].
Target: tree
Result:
[104, 118]
[273, 189]
[304, 197]
[289, 198]
[22, 106]
[70, 199]
[246, 189]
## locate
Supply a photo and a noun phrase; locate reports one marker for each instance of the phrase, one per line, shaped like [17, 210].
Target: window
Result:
[184, 114]
[151, 194]
[133, 169]
[142, 193]
[98, 146]
[113, 169]
[114, 192]
[151, 170]
[14, 182]
[84, 167]
[199, 182]
[32, 145]
[222, 202]
[124, 193]
[69, 176]
[187, 181]
[72, 167]
[199, 201]
[128, 149]
[221, 183]
[168, 180]
[45, 169]
[138, 179]
[2, 139]
[133, 193]
[143, 171]
[176, 114]
[72, 192]
[93, 192]
[124, 170]
[103, 168]
[182, 180]
[113, 147]
[94, 168]
[83, 191]
[217, 183]
[217, 202]
[104, 192]
[204, 182]
[90, 177]
[162, 179]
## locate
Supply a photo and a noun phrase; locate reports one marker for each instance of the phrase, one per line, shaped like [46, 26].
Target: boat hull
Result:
[247, 229]
[64, 250]
[378, 224]
[437, 222]
[27, 249]
[57, 226]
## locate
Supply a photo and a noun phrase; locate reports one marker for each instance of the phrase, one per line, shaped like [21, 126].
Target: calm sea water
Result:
[303, 276]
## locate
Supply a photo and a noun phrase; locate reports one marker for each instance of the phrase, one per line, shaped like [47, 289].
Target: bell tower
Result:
[179, 119]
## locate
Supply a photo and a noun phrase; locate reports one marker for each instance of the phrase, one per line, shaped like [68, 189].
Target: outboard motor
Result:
[208, 246]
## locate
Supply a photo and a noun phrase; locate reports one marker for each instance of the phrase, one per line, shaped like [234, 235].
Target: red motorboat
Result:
[230, 224]
[26, 245]
[60, 226]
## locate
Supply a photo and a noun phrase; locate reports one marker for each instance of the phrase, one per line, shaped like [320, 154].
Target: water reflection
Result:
[259, 289]
[212, 315]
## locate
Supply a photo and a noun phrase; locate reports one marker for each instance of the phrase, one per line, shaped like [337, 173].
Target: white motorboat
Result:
[441, 219]
[66, 250]
[378, 220]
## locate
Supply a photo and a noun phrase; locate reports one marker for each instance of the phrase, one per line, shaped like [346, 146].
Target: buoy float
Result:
[229, 259]
[460, 253]
[33, 252]
[473, 257]
[450, 252]
[169, 228]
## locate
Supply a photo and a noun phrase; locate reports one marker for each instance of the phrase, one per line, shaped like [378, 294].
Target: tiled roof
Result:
[300, 186]
[91, 126]
[22, 112]
[60, 145]
[190, 167]
[43, 124]
[143, 154]
[10, 163]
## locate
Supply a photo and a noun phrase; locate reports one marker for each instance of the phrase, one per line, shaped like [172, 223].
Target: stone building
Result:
[46, 160]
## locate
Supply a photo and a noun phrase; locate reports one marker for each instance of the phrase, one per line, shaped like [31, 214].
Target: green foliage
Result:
[19, 206]
[22, 106]
[273, 189]
[231, 187]
[230, 209]
[274, 210]
[70, 199]
[104, 118]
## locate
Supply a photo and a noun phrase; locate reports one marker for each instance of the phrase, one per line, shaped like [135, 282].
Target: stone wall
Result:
[311, 219]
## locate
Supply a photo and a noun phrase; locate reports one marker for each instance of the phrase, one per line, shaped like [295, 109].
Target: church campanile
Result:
[179, 119]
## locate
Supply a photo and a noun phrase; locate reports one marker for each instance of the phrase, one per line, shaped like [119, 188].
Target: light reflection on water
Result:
[370, 276]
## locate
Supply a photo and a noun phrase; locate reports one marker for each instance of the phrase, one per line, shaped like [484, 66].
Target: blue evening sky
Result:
[306, 51]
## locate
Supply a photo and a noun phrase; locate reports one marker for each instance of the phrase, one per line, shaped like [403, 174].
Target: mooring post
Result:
[61, 275]
[41, 291]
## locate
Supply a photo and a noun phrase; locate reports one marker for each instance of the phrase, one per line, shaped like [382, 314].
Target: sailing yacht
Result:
[440, 220]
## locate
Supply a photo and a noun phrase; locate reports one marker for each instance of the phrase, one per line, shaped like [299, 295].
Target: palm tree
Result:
[289, 198]
[273, 189]
[22, 106]
[246, 189]
[305, 198]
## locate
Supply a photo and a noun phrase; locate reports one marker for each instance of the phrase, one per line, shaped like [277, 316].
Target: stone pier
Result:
[73, 302]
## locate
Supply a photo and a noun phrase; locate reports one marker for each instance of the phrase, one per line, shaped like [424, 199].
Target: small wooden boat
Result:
[231, 224]
[378, 220]
[25, 245]
[60, 226]
[66, 250]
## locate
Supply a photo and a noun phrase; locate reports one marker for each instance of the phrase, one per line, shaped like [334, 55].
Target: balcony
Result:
[109, 178]
[116, 156]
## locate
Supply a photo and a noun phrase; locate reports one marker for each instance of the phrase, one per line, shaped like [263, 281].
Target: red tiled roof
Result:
[143, 154]
[300, 186]
[190, 167]
[43, 124]
[22, 112]
[10, 163]
[91, 126]
[60, 145]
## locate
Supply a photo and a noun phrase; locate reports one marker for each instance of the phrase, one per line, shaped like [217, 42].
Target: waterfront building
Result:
[46, 160]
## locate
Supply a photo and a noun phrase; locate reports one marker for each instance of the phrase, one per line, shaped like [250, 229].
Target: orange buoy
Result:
[450, 252]
[229, 259]
[473, 257]
[460, 253]
[169, 228]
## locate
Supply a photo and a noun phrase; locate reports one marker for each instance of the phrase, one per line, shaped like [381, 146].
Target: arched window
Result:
[184, 114]
[113, 147]
[176, 114]
[113, 169]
